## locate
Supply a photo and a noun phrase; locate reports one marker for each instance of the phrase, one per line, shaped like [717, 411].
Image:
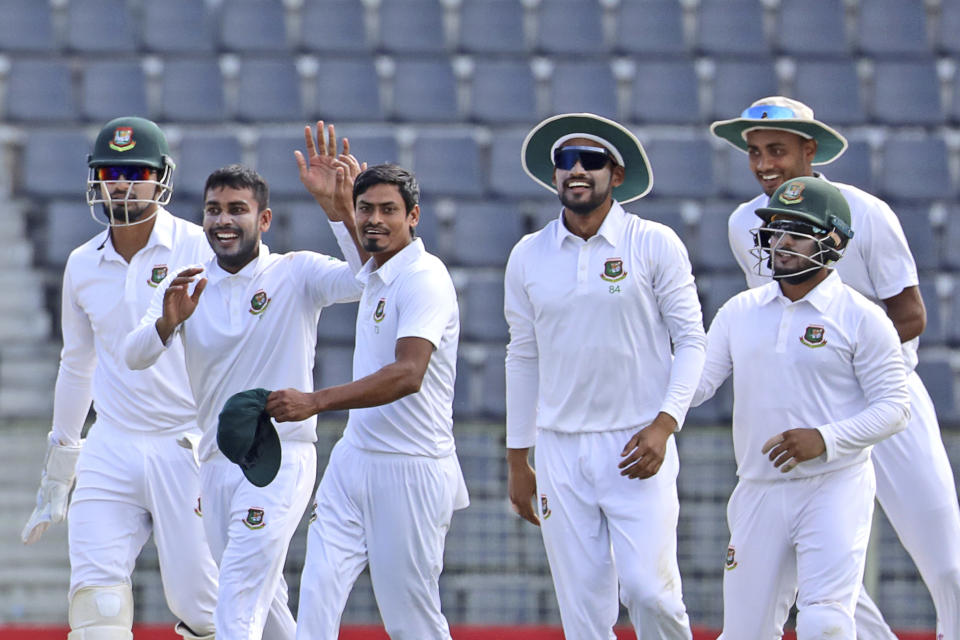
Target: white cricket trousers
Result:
[131, 484]
[393, 511]
[601, 529]
[249, 530]
[803, 538]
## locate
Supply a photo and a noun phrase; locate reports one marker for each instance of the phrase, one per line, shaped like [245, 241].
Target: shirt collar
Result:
[611, 229]
[395, 265]
[820, 296]
[160, 235]
[215, 273]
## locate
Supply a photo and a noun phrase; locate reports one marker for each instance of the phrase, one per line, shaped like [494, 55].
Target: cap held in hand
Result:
[247, 436]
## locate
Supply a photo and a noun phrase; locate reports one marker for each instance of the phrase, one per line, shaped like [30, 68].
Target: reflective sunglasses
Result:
[768, 112]
[795, 226]
[126, 173]
[591, 158]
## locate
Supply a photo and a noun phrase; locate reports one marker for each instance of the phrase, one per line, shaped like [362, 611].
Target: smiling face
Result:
[383, 221]
[777, 156]
[582, 191]
[233, 222]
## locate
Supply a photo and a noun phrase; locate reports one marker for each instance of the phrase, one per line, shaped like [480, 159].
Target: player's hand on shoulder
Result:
[788, 449]
[290, 405]
[646, 449]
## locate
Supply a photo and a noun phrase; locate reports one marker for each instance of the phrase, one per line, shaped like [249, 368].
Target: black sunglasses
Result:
[591, 158]
[795, 226]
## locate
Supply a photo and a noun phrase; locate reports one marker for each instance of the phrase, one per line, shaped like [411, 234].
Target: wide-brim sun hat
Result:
[537, 151]
[247, 437]
[782, 114]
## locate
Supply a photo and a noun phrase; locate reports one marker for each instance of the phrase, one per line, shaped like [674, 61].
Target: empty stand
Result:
[113, 87]
[951, 249]
[736, 178]
[853, 167]
[570, 27]
[68, 225]
[54, 164]
[503, 91]
[832, 89]
[481, 309]
[651, 28]
[947, 39]
[201, 153]
[269, 91]
[492, 27]
[27, 25]
[448, 163]
[938, 377]
[907, 92]
[584, 87]
[915, 220]
[412, 27]
[425, 90]
[338, 323]
[192, 90]
[483, 233]
[710, 248]
[892, 28]
[370, 146]
[304, 228]
[715, 290]
[100, 26]
[737, 84]
[248, 26]
[40, 90]
[935, 332]
[507, 177]
[808, 29]
[348, 89]
[681, 167]
[730, 27]
[334, 27]
[178, 27]
[916, 168]
[276, 163]
[666, 91]
[663, 211]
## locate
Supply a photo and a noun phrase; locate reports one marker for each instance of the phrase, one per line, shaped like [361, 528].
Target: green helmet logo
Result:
[123, 139]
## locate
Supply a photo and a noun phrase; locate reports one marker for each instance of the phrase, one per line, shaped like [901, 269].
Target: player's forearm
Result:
[878, 421]
[143, 346]
[71, 403]
[390, 383]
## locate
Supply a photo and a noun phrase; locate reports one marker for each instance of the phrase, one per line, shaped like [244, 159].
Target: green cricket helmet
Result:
[125, 152]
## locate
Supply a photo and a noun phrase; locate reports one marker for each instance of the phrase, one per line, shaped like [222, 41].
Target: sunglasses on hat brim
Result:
[768, 112]
[124, 172]
[590, 158]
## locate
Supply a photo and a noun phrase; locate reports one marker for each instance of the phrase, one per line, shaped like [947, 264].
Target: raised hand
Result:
[327, 175]
[178, 303]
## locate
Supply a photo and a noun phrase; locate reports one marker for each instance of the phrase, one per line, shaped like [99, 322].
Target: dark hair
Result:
[238, 176]
[389, 174]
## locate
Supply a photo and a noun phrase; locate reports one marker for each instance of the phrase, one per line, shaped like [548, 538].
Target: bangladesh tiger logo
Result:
[157, 275]
[813, 336]
[731, 562]
[254, 519]
[123, 139]
[793, 193]
[259, 302]
[378, 313]
[544, 509]
[613, 270]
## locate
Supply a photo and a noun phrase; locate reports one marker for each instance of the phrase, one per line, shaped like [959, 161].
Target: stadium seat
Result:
[935, 334]
[730, 27]
[915, 220]
[853, 167]
[304, 228]
[949, 27]
[807, 29]
[269, 91]
[411, 27]
[480, 450]
[716, 289]
[276, 163]
[951, 248]
[892, 28]
[68, 225]
[192, 91]
[681, 167]
[492, 27]
[940, 380]
[955, 107]
[507, 177]
[481, 309]
[665, 212]
[424, 90]
[348, 89]
[338, 322]
[100, 26]
[494, 385]
[736, 180]
[431, 229]
[199, 155]
[578, 87]
[27, 26]
[54, 164]
[372, 147]
[40, 90]
[487, 537]
[666, 92]
[736, 84]
[177, 27]
[253, 26]
[570, 28]
[334, 27]
[448, 163]
[710, 247]
[832, 89]
[483, 233]
[503, 91]
[651, 28]
[916, 169]
[113, 87]
[334, 364]
[907, 93]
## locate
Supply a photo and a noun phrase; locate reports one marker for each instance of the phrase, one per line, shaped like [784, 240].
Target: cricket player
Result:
[818, 378]
[915, 483]
[606, 348]
[250, 322]
[393, 481]
[133, 476]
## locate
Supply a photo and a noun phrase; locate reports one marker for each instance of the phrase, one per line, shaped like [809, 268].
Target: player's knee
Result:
[189, 634]
[101, 613]
[195, 612]
[648, 600]
[828, 620]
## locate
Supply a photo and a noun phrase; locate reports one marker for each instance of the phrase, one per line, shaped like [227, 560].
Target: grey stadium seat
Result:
[503, 91]
[101, 26]
[853, 167]
[27, 25]
[178, 26]
[940, 381]
[663, 211]
[951, 253]
[112, 87]
[892, 28]
[253, 26]
[484, 232]
[338, 323]
[201, 153]
[832, 89]
[666, 91]
[448, 164]
[949, 27]
[915, 220]
[681, 167]
[276, 163]
[935, 332]
[492, 27]
[507, 177]
[808, 29]
[737, 84]
[68, 225]
[370, 146]
[481, 309]
[425, 90]
[348, 89]
[916, 169]
[40, 90]
[570, 27]
[55, 164]
[192, 90]
[333, 27]
[589, 87]
[709, 247]
[907, 93]
[651, 28]
[269, 91]
[304, 227]
[411, 26]
[730, 27]
[736, 179]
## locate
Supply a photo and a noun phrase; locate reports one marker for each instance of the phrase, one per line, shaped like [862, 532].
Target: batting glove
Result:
[59, 470]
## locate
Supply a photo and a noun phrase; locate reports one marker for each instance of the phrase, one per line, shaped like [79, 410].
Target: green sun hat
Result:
[783, 114]
[247, 437]
[537, 151]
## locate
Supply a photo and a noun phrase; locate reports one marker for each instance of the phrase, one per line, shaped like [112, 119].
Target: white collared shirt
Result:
[830, 361]
[255, 328]
[411, 295]
[104, 298]
[877, 261]
[591, 325]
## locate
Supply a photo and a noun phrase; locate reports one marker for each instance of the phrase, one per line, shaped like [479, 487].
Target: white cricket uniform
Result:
[915, 482]
[589, 364]
[830, 361]
[393, 481]
[254, 328]
[133, 479]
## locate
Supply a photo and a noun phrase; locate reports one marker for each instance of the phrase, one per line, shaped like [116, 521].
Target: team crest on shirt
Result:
[544, 509]
[378, 313]
[254, 519]
[157, 275]
[792, 194]
[123, 139]
[259, 302]
[813, 336]
[198, 509]
[731, 562]
[313, 514]
[613, 270]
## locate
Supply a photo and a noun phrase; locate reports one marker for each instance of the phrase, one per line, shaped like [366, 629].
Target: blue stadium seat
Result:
[178, 27]
[192, 90]
[736, 84]
[412, 27]
[806, 29]
[953, 326]
[570, 27]
[955, 107]
[951, 248]
[483, 233]
[936, 331]
[507, 177]
[348, 89]
[112, 87]
[731, 27]
[492, 27]
[370, 146]
[503, 91]
[27, 26]
[940, 380]
[304, 228]
[710, 248]
[276, 163]
[735, 177]
[832, 89]
[584, 87]
[448, 163]
[68, 225]
[663, 211]
[716, 289]
[425, 90]
[915, 220]
[949, 27]
[269, 91]
[907, 93]
[651, 28]
[481, 309]
[248, 26]
[54, 164]
[892, 28]
[853, 167]
[666, 92]
[338, 323]
[334, 27]
[199, 155]
[40, 90]
[916, 169]
[493, 399]
[100, 26]
[681, 167]
[431, 229]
